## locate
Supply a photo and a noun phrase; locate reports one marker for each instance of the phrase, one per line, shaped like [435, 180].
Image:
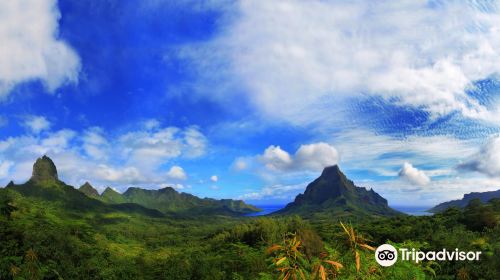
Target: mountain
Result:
[461, 203]
[168, 200]
[44, 185]
[333, 193]
[111, 196]
[44, 169]
[88, 190]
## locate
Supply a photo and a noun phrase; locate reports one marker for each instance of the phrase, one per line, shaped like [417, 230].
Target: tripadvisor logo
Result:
[387, 255]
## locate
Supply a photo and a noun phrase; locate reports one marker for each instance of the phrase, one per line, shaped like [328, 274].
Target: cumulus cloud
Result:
[299, 59]
[310, 157]
[101, 158]
[274, 158]
[177, 172]
[214, 178]
[316, 156]
[36, 123]
[31, 48]
[487, 160]
[413, 175]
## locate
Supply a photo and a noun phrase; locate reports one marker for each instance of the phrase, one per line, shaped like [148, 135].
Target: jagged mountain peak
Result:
[87, 189]
[44, 169]
[332, 171]
[333, 192]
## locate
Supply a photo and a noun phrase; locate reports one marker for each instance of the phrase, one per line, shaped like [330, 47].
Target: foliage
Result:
[54, 233]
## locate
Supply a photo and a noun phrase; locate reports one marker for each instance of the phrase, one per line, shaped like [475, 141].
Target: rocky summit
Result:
[44, 169]
[88, 190]
[334, 193]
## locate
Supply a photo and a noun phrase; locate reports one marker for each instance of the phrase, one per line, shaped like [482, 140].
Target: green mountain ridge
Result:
[45, 184]
[168, 200]
[462, 203]
[334, 194]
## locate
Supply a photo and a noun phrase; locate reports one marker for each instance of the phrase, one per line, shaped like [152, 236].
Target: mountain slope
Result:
[44, 185]
[168, 200]
[333, 193]
[461, 203]
[88, 190]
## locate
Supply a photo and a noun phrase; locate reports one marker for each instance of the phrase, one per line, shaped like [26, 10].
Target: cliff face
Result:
[44, 169]
[334, 192]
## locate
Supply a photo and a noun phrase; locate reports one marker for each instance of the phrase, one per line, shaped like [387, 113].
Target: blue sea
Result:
[410, 210]
[413, 210]
[266, 209]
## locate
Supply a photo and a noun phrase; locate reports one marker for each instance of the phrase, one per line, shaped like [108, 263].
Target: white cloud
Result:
[176, 172]
[194, 141]
[310, 157]
[384, 154]
[214, 187]
[299, 59]
[316, 156]
[118, 175]
[274, 158]
[136, 157]
[437, 191]
[413, 175]
[281, 192]
[36, 124]
[4, 168]
[31, 48]
[214, 178]
[95, 144]
[152, 147]
[487, 160]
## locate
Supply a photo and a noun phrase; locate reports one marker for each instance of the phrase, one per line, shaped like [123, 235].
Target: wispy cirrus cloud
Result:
[299, 60]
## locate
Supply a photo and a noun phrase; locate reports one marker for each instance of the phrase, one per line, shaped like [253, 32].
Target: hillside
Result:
[168, 200]
[49, 230]
[334, 194]
[45, 183]
[461, 203]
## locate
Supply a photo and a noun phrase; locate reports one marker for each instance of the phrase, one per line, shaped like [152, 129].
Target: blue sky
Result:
[252, 99]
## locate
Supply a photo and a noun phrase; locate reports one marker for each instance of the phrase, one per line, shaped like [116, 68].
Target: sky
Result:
[252, 99]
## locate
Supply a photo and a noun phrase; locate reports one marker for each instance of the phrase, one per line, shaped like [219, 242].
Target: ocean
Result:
[410, 210]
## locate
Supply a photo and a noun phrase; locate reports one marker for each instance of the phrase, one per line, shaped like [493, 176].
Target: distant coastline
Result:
[410, 210]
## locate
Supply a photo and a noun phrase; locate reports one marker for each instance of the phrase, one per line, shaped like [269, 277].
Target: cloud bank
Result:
[299, 59]
[135, 157]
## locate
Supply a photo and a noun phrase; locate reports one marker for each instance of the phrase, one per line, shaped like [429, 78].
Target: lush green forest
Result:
[50, 230]
[44, 239]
